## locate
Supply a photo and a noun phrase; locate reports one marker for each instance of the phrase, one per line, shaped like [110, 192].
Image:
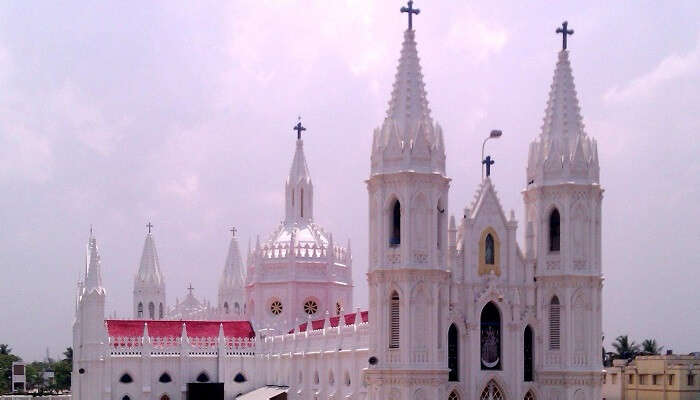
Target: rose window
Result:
[276, 307]
[310, 307]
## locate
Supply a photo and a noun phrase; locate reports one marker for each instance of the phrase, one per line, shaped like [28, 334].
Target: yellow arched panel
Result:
[485, 268]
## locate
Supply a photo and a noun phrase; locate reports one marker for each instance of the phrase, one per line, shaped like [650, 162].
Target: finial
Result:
[488, 161]
[149, 225]
[90, 230]
[190, 288]
[299, 128]
[233, 231]
[410, 10]
[564, 31]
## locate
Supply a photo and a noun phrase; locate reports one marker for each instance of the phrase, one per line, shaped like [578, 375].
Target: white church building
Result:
[458, 309]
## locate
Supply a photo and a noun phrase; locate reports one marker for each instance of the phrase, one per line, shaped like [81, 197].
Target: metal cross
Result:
[564, 31]
[149, 225]
[299, 128]
[233, 230]
[410, 10]
[488, 161]
[190, 288]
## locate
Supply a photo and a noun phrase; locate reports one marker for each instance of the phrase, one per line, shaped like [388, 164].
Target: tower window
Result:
[160, 311]
[165, 378]
[301, 202]
[489, 250]
[395, 238]
[237, 307]
[395, 325]
[239, 378]
[203, 377]
[126, 378]
[226, 307]
[139, 310]
[151, 310]
[527, 356]
[554, 324]
[554, 230]
[453, 353]
[310, 307]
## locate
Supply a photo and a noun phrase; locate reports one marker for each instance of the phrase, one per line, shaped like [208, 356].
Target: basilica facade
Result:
[458, 309]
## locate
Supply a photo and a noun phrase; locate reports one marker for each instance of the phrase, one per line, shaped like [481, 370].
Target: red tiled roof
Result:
[318, 324]
[134, 328]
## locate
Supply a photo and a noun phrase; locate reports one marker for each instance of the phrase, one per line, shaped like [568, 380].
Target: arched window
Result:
[554, 324]
[165, 397]
[440, 223]
[237, 307]
[529, 395]
[203, 377]
[165, 378]
[316, 379]
[527, 354]
[151, 310]
[490, 337]
[492, 392]
[395, 237]
[395, 323]
[338, 308]
[489, 250]
[554, 230]
[160, 311]
[239, 378]
[139, 310]
[126, 397]
[301, 202]
[453, 396]
[331, 378]
[453, 353]
[347, 378]
[126, 378]
[226, 307]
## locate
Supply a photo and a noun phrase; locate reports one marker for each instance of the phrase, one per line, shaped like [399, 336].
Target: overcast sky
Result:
[180, 113]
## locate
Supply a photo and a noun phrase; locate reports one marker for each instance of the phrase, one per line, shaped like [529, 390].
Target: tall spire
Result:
[149, 268]
[232, 276]
[93, 273]
[563, 152]
[299, 189]
[408, 138]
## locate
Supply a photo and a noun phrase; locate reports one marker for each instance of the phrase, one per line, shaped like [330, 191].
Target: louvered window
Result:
[395, 322]
[554, 324]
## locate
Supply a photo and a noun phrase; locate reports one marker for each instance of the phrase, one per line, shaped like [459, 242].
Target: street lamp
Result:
[495, 134]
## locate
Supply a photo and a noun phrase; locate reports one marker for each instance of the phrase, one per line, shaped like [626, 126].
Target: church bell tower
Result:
[408, 276]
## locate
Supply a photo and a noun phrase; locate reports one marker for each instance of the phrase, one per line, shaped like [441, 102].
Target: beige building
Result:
[667, 377]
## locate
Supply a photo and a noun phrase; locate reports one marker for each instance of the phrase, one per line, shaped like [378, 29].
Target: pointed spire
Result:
[300, 169]
[232, 276]
[149, 268]
[93, 273]
[563, 114]
[298, 188]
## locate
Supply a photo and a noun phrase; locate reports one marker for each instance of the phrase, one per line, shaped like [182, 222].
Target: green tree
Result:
[624, 348]
[650, 347]
[5, 349]
[6, 361]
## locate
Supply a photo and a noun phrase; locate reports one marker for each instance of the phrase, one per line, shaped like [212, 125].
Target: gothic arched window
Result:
[490, 337]
[139, 310]
[203, 377]
[527, 354]
[165, 397]
[554, 230]
[160, 311]
[554, 324]
[453, 396]
[151, 310]
[126, 397]
[529, 395]
[395, 324]
[239, 378]
[492, 392]
[395, 237]
[453, 353]
[126, 378]
[489, 250]
[237, 307]
[226, 307]
[165, 378]
[301, 202]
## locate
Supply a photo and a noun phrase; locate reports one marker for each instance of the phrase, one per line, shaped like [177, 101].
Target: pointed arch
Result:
[419, 312]
[126, 397]
[419, 394]
[160, 311]
[316, 378]
[394, 320]
[395, 224]
[529, 395]
[419, 221]
[239, 378]
[489, 252]
[554, 230]
[578, 314]
[126, 378]
[441, 223]
[492, 392]
[331, 378]
[554, 323]
[528, 352]
[164, 396]
[453, 353]
[151, 310]
[490, 337]
[301, 202]
[454, 395]
[165, 378]
[579, 227]
[348, 381]
[226, 310]
[139, 310]
[203, 377]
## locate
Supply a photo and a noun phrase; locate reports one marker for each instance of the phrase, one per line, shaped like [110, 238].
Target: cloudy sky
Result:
[181, 112]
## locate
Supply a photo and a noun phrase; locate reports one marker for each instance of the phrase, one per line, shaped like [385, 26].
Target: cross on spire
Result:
[149, 225]
[233, 230]
[488, 161]
[299, 128]
[190, 288]
[410, 10]
[564, 31]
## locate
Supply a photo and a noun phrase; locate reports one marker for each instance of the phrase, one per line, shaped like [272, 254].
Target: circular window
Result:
[276, 307]
[310, 307]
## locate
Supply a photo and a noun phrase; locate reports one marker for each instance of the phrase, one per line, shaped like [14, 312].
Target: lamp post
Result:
[495, 134]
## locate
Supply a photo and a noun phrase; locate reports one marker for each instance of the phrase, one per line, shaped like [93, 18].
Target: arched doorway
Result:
[490, 337]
